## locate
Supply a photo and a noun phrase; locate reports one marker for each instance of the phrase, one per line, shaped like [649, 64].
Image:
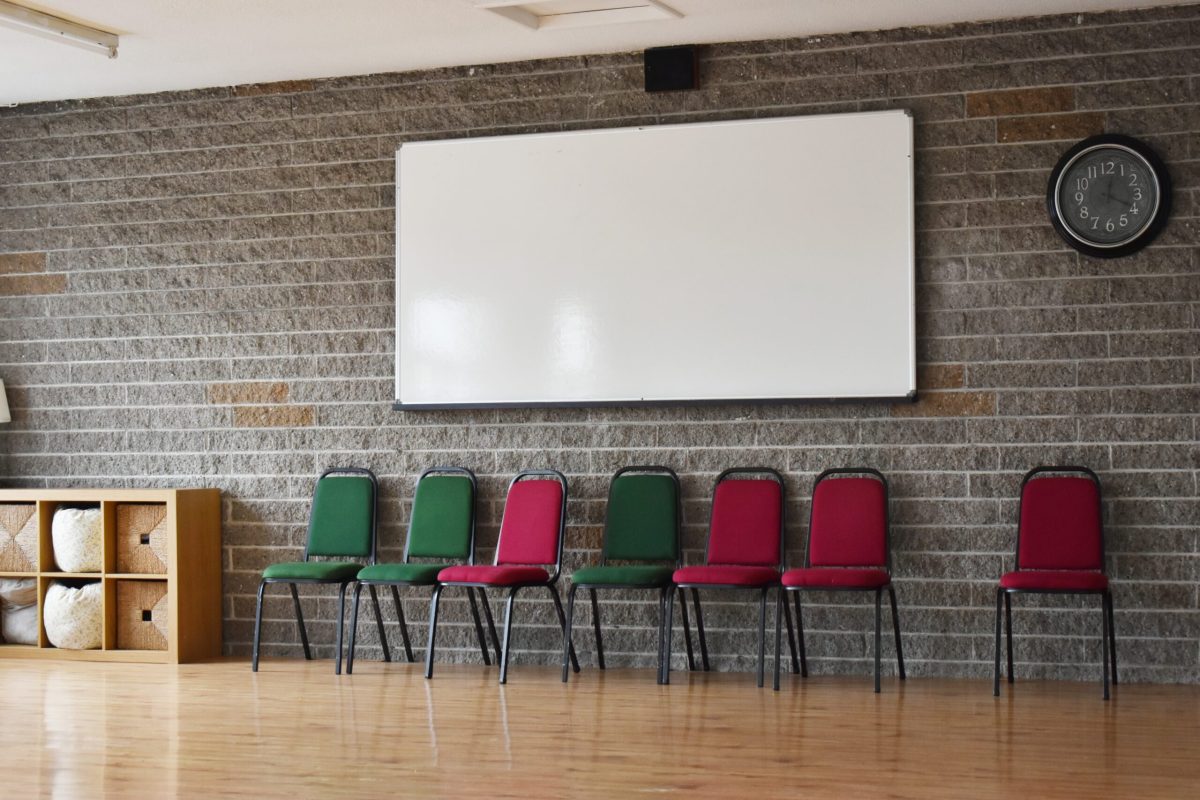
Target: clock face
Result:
[1107, 196]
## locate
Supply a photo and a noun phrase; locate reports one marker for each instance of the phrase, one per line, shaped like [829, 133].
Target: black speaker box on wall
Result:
[672, 69]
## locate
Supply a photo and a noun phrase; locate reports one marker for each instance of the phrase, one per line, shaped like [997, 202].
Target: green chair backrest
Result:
[642, 520]
[442, 524]
[342, 521]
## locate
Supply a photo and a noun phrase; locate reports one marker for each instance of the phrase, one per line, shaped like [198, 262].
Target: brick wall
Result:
[197, 290]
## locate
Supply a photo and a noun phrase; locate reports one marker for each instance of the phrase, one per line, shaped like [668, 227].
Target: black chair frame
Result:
[395, 587]
[796, 590]
[1108, 634]
[342, 585]
[551, 585]
[662, 590]
[763, 591]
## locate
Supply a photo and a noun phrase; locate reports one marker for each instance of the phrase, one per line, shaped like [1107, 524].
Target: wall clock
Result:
[1109, 196]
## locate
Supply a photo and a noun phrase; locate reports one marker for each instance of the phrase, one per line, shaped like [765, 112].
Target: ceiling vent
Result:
[552, 14]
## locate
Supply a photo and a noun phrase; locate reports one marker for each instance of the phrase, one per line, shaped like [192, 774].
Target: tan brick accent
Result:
[949, 404]
[256, 392]
[13, 263]
[1049, 126]
[273, 416]
[939, 376]
[1020, 101]
[11, 285]
[279, 87]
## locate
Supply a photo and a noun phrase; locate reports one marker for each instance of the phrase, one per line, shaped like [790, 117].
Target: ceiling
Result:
[189, 44]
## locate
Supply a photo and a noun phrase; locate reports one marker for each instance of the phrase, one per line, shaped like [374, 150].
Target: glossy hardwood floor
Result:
[295, 730]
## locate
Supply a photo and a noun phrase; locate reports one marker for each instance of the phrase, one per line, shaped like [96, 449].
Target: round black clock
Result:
[1109, 196]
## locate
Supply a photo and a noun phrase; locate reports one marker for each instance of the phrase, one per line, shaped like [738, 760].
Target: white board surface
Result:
[748, 260]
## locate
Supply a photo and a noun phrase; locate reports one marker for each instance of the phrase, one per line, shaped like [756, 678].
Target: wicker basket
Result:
[18, 537]
[142, 619]
[142, 538]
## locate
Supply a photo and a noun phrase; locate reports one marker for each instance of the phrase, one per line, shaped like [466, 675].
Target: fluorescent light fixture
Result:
[49, 26]
[5, 416]
[549, 14]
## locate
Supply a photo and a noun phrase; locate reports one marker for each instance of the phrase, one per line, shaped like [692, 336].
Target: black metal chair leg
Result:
[687, 629]
[700, 630]
[787, 616]
[566, 645]
[387, 652]
[300, 622]
[562, 622]
[896, 630]
[508, 615]
[487, 661]
[668, 621]
[596, 626]
[878, 626]
[996, 674]
[1112, 636]
[429, 643]
[487, 615]
[662, 622]
[353, 628]
[257, 627]
[1104, 642]
[1008, 632]
[408, 653]
[337, 663]
[780, 606]
[762, 635]
[800, 637]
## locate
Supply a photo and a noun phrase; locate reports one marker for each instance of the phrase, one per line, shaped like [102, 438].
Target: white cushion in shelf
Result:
[74, 618]
[18, 611]
[78, 539]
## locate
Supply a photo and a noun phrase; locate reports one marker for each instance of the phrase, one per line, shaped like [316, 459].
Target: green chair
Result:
[441, 526]
[340, 525]
[641, 527]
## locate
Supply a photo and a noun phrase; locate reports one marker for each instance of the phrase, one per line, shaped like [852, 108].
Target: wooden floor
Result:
[295, 730]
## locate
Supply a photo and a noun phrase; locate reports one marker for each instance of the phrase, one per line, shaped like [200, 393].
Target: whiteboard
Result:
[749, 260]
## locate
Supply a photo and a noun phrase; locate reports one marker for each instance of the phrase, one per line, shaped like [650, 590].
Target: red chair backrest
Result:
[1060, 524]
[532, 524]
[849, 523]
[746, 523]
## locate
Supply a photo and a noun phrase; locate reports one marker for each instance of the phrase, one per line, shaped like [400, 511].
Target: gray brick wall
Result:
[196, 289]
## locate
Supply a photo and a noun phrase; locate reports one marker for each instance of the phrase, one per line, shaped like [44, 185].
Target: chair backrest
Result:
[442, 523]
[746, 528]
[641, 520]
[344, 510]
[848, 520]
[535, 517]
[1059, 523]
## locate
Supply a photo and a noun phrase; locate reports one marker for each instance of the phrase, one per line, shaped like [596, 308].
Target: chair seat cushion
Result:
[493, 576]
[722, 575]
[836, 578]
[1056, 580]
[401, 573]
[332, 571]
[632, 575]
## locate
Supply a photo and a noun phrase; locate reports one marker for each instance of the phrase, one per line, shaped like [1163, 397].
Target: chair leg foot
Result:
[800, 636]
[508, 615]
[700, 630]
[383, 642]
[896, 630]
[408, 651]
[483, 649]
[337, 660]
[687, 628]
[596, 626]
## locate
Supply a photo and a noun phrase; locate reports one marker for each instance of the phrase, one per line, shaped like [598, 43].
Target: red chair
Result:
[1060, 550]
[848, 550]
[745, 550]
[531, 537]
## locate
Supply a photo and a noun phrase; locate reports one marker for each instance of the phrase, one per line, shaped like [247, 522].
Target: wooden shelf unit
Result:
[192, 575]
